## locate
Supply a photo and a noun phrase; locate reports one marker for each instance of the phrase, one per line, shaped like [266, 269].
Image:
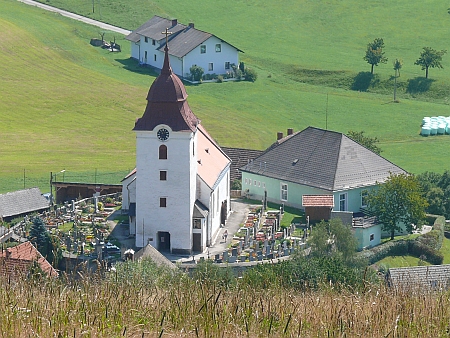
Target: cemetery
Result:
[261, 237]
[81, 227]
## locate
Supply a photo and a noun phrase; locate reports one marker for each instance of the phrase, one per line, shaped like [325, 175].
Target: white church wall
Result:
[176, 217]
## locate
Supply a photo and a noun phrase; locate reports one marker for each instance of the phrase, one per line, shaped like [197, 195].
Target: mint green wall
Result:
[273, 187]
[296, 191]
[363, 236]
[353, 198]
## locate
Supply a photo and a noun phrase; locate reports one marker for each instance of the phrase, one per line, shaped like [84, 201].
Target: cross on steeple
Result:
[166, 33]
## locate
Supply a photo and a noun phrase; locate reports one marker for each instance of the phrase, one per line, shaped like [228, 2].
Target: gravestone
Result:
[286, 252]
[232, 259]
[216, 257]
[234, 252]
[260, 258]
[243, 258]
[270, 256]
[225, 256]
[251, 258]
[259, 253]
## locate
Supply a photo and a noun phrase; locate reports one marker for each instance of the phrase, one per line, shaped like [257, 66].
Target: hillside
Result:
[67, 105]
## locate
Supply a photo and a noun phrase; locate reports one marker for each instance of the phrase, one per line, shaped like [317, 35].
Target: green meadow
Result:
[67, 105]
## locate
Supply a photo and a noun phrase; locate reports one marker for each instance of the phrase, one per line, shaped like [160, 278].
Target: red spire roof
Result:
[167, 103]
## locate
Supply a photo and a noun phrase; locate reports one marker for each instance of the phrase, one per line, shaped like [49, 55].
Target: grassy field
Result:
[67, 105]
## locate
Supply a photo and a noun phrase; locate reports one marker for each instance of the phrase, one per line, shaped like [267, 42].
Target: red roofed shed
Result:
[318, 207]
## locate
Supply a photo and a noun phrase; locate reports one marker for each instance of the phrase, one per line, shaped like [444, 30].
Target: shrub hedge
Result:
[426, 246]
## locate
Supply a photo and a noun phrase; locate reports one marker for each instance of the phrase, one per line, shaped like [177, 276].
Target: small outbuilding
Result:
[22, 202]
[420, 277]
[318, 207]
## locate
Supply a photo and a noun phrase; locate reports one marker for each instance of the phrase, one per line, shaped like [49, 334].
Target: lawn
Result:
[67, 105]
[401, 261]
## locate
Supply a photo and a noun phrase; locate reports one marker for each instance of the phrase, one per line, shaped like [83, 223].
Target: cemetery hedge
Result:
[425, 246]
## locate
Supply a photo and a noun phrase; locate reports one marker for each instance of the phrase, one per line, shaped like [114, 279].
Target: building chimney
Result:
[290, 131]
[279, 135]
[191, 25]
[174, 22]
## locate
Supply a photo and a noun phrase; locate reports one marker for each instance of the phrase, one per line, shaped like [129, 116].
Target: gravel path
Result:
[74, 16]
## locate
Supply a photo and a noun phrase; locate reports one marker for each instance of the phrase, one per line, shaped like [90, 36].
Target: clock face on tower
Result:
[163, 134]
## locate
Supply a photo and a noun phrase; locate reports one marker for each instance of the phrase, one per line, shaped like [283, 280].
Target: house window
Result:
[254, 183]
[203, 49]
[163, 152]
[154, 57]
[372, 237]
[250, 182]
[364, 195]
[146, 39]
[153, 42]
[227, 65]
[162, 202]
[259, 183]
[145, 56]
[343, 202]
[163, 175]
[246, 181]
[218, 47]
[210, 66]
[284, 192]
[264, 185]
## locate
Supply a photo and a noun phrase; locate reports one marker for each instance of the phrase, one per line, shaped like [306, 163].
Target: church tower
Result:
[166, 164]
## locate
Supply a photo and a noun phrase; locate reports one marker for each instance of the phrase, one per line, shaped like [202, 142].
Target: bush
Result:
[250, 75]
[236, 185]
[419, 250]
[196, 72]
[220, 79]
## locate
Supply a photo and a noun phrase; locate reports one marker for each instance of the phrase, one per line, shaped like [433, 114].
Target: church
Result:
[179, 195]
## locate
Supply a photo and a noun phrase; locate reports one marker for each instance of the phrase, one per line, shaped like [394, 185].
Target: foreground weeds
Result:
[172, 304]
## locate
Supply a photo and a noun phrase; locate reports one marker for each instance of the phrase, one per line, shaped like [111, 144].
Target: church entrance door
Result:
[197, 242]
[163, 241]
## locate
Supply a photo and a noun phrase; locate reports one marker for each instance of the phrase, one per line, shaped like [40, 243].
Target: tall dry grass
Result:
[162, 305]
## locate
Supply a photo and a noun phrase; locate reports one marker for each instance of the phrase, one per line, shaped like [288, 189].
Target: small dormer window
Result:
[218, 48]
[146, 39]
[203, 49]
[153, 42]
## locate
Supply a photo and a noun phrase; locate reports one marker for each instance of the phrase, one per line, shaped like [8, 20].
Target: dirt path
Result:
[77, 17]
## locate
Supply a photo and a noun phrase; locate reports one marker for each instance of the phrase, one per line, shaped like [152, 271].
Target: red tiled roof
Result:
[212, 161]
[318, 201]
[19, 259]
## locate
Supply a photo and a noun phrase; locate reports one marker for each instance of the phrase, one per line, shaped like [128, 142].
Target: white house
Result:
[180, 186]
[188, 46]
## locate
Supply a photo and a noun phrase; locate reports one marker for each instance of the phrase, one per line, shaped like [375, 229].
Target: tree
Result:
[196, 72]
[333, 237]
[45, 244]
[397, 66]
[398, 200]
[430, 58]
[366, 141]
[374, 53]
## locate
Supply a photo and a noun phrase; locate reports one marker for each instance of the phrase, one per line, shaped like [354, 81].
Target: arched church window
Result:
[163, 152]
